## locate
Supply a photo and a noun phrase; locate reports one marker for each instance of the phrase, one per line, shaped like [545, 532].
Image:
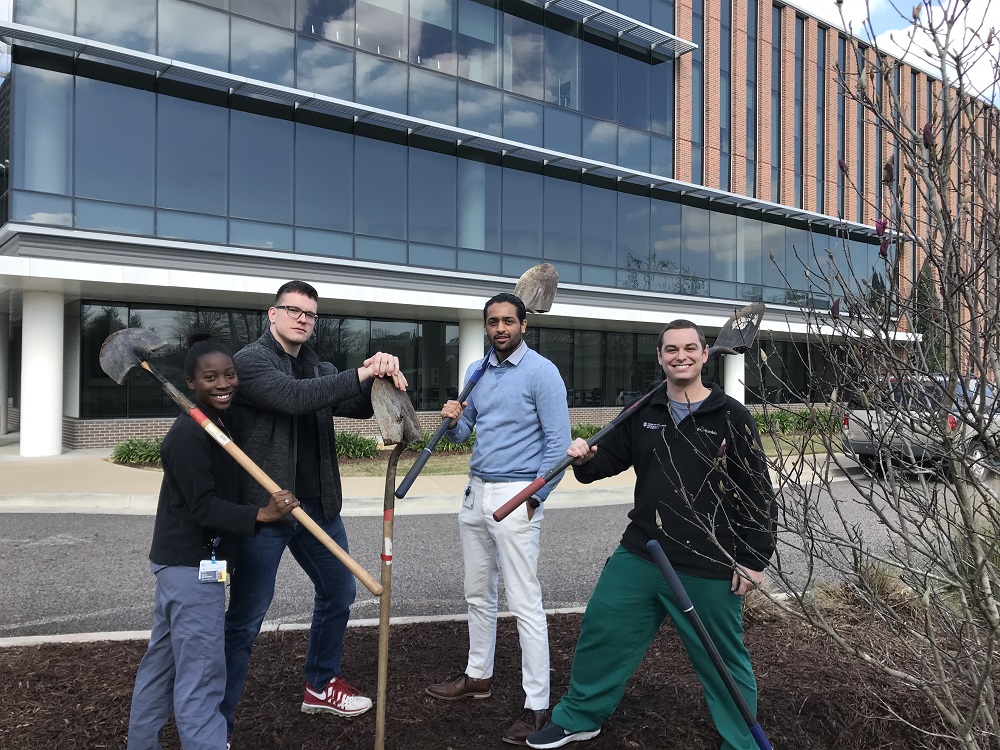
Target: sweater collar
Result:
[515, 356]
[713, 400]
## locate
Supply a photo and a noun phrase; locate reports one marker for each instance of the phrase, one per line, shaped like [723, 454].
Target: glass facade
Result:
[425, 58]
[100, 148]
[821, 75]
[798, 113]
[725, 96]
[751, 68]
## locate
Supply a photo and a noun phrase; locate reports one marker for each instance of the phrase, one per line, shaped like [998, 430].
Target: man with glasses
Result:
[283, 419]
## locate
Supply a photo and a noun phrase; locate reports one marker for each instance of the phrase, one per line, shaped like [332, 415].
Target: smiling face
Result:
[293, 332]
[214, 381]
[503, 328]
[682, 355]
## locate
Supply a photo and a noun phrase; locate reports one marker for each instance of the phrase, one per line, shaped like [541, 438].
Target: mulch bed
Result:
[811, 695]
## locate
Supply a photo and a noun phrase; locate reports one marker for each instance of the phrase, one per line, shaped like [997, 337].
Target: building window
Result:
[752, 32]
[776, 104]
[798, 112]
[698, 93]
[859, 157]
[821, 120]
[841, 125]
[725, 96]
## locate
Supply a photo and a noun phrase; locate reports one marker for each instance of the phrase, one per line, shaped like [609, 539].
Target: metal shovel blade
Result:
[397, 421]
[739, 331]
[537, 287]
[126, 349]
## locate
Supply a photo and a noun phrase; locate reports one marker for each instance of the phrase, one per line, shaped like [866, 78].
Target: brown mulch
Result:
[811, 695]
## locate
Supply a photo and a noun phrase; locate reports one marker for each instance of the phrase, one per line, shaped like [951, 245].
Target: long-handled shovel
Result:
[536, 289]
[129, 348]
[660, 558]
[735, 337]
[398, 424]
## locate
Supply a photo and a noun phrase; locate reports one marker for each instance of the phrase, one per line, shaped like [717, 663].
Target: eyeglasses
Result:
[297, 312]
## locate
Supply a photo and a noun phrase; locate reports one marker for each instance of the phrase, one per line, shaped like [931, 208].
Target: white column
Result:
[734, 376]
[4, 364]
[471, 347]
[41, 374]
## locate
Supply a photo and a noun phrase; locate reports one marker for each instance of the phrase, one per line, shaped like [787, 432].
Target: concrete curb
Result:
[267, 627]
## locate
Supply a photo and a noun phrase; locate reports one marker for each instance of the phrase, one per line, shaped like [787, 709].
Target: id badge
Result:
[469, 498]
[212, 571]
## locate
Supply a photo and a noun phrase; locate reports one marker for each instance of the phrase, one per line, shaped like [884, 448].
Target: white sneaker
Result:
[338, 697]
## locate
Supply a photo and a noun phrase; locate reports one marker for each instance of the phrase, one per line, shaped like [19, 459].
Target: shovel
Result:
[536, 289]
[735, 337]
[398, 424]
[129, 348]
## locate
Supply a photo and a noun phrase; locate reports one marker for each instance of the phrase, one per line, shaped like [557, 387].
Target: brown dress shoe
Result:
[526, 724]
[461, 686]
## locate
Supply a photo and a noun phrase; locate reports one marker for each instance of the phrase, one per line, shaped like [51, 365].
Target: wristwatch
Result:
[534, 501]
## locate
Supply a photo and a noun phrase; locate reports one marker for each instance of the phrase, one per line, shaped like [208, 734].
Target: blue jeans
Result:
[252, 588]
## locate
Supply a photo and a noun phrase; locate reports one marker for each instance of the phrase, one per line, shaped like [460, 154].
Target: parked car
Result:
[908, 420]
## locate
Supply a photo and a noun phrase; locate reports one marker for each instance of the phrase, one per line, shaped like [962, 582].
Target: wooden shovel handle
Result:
[264, 480]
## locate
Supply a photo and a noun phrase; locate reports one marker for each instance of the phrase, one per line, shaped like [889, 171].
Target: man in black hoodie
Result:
[703, 491]
[283, 419]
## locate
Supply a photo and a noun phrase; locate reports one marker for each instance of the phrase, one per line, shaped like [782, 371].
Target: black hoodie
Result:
[707, 504]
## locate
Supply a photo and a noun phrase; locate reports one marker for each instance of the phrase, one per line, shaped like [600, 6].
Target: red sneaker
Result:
[337, 698]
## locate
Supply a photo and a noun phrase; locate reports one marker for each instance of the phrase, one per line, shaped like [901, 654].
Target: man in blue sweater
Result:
[522, 429]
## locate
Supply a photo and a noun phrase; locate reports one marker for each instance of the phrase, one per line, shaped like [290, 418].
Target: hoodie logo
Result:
[706, 430]
[653, 426]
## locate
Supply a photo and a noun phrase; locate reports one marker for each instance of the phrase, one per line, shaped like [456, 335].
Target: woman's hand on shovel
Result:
[281, 502]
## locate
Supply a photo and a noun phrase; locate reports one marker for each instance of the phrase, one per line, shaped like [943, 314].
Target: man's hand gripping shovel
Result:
[735, 337]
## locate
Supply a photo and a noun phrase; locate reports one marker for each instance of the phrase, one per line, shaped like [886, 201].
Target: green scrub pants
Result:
[628, 606]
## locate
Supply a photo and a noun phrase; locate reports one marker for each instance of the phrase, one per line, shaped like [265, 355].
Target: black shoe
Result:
[527, 723]
[553, 735]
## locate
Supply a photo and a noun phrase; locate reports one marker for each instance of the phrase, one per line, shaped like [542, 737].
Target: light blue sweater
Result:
[519, 412]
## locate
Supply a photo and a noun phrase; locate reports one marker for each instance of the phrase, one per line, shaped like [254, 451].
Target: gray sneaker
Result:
[553, 735]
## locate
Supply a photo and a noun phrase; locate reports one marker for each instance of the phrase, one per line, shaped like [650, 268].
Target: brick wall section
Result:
[764, 45]
[738, 110]
[682, 125]
[810, 38]
[788, 106]
[712, 153]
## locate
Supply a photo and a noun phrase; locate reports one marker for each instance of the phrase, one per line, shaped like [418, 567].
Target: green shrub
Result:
[585, 431]
[786, 422]
[444, 445]
[141, 451]
[355, 445]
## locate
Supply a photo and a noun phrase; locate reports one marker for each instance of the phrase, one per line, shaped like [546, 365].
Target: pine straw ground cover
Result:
[811, 696]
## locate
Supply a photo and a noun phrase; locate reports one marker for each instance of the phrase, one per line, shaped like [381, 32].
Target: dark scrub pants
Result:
[628, 606]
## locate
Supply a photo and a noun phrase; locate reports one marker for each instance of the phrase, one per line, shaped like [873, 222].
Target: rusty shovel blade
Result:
[537, 287]
[126, 349]
[397, 421]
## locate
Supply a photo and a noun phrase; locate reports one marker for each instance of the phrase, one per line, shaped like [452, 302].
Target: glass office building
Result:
[170, 163]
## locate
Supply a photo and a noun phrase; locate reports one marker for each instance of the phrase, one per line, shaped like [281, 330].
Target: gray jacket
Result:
[270, 400]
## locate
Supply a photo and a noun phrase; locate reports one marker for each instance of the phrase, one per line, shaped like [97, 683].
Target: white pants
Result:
[511, 546]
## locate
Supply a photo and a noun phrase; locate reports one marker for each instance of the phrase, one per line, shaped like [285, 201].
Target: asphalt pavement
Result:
[76, 529]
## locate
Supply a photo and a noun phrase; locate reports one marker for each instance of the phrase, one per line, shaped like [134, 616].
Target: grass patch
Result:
[439, 464]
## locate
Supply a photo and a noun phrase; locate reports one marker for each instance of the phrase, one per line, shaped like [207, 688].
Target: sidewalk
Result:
[84, 481]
